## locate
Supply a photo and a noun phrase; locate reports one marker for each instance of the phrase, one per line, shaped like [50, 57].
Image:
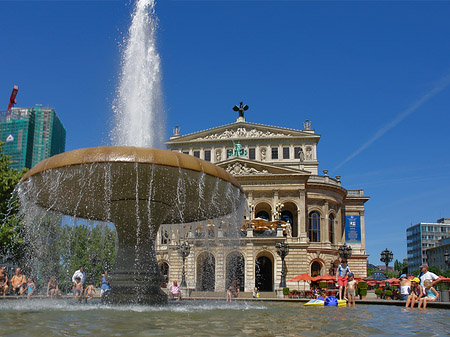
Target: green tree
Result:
[11, 232]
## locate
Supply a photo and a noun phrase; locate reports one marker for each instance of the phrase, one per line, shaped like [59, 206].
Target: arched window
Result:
[315, 268]
[314, 227]
[263, 215]
[331, 227]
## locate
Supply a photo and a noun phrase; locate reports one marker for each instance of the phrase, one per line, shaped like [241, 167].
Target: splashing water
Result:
[138, 109]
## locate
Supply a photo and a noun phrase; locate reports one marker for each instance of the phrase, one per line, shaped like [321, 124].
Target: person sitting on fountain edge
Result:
[19, 283]
[105, 288]
[174, 290]
[3, 281]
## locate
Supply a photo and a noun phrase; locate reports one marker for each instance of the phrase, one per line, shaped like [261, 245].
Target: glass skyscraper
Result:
[31, 135]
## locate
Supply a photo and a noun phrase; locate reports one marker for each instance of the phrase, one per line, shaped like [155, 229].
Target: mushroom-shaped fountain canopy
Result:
[90, 182]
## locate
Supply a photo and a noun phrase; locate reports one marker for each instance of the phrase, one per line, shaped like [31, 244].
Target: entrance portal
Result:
[263, 272]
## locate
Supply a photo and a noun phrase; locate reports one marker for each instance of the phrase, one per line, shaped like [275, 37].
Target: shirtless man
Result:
[3, 281]
[19, 282]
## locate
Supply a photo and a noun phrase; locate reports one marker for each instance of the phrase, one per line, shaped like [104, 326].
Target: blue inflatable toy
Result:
[331, 302]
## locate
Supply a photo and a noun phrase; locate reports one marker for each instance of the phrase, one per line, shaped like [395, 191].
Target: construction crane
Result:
[12, 99]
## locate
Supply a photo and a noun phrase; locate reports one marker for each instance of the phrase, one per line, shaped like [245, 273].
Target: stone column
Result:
[275, 200]
[302, 216]
[249, 267]
[220, 272]
[325, 231]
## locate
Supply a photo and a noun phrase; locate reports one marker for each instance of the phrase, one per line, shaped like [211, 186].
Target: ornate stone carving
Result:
[242, 169]
[308, 153]
[243, 133]
[218, 155]
[263, 153]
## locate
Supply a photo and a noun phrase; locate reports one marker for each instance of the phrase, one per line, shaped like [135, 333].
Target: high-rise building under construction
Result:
[31, 135]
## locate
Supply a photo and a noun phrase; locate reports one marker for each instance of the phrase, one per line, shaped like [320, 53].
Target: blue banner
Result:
[352, 229]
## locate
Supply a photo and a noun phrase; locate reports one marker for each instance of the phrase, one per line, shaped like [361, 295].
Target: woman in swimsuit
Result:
[52, 288]
[31, 288]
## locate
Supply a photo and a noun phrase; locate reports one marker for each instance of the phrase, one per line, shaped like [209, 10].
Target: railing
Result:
[324, 179]
[355, 193]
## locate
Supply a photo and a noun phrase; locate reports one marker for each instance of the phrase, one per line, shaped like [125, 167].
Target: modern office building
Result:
[423, 236]
[288, 202]
[438, 256]
[31, 135]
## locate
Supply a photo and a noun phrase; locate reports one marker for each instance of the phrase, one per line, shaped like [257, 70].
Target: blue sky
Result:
[373, 77]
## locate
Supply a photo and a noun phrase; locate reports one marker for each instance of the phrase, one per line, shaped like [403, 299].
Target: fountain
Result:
[137, 189]
[134, 186]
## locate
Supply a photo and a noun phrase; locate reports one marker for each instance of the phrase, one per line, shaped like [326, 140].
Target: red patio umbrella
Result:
[444, 279]
[393, 281]
[327, 278]
[303, 277]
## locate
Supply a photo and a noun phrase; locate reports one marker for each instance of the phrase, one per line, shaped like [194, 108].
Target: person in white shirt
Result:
[428, 275]
[79, 273]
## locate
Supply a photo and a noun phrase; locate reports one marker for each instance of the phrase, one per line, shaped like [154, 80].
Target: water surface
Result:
[188, 318]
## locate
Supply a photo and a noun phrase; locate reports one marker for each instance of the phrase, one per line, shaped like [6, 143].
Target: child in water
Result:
[323, 295]
[89, 292]
[431, 294]
[351, 289]
[78, 289]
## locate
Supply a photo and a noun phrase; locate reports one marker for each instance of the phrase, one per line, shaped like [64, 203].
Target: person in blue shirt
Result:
[105, 287]
[341, 279]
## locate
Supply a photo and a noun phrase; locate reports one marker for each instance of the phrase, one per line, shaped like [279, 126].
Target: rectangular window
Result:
[285, 153]
[186, 152]
[297, 152]
[197, 154]
[251, 154]
[208, 155]
[274, 153]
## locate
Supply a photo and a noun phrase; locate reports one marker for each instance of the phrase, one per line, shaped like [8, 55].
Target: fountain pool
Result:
[218, 318]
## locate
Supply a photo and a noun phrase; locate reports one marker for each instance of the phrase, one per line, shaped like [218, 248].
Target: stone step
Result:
[219, 294]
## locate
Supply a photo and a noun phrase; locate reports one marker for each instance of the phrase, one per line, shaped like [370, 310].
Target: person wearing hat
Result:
[428, 275]
[405, 285]
[416, 293]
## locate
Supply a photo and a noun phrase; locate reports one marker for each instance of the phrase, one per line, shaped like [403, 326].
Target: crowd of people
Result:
[20, 285]
[421, 289]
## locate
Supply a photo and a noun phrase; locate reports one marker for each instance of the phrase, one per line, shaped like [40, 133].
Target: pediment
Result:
[242, 130]
[246, 167]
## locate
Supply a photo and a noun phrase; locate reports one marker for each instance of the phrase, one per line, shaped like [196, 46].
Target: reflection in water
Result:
[45, 318]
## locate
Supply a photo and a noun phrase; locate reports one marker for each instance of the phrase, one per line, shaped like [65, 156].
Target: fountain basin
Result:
[137, 189]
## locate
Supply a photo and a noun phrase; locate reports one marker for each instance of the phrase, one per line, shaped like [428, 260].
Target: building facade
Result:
[288, 201]
[436, 256]
[31, 135]
[423, 236]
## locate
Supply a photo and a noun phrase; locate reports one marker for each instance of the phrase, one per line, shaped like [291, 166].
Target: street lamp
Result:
[282, 251]
[251, 209]
[184, 249]
[345, 252]
[386, 257]
[446, 260]
[278, 208]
